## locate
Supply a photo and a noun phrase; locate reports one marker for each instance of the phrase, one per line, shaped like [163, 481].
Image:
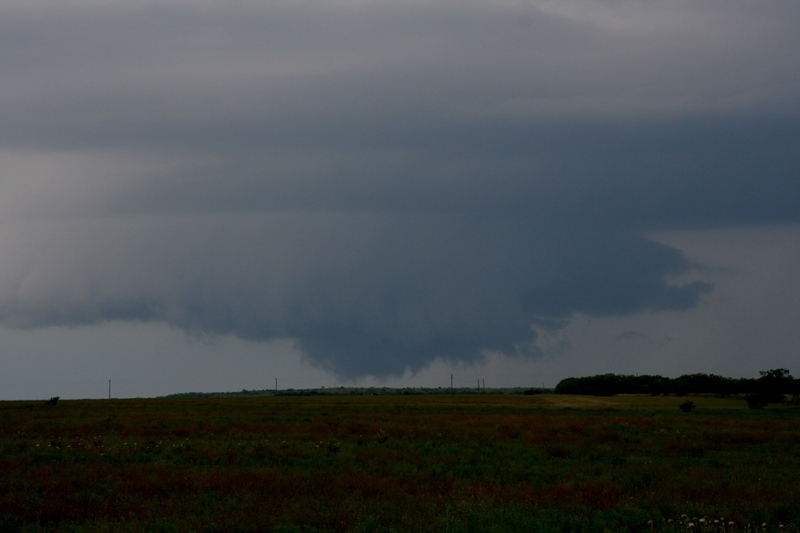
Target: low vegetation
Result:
[486, 462]
[772, 386]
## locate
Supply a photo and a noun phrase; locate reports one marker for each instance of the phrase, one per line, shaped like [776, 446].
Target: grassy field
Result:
[399, 463]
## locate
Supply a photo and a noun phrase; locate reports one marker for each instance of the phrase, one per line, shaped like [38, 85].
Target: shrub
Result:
[687, 407]
[755, 401]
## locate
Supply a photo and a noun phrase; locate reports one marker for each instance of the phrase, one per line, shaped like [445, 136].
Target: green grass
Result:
[399, 463]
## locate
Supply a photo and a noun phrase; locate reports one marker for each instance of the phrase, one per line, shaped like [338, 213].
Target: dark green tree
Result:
[771, 387]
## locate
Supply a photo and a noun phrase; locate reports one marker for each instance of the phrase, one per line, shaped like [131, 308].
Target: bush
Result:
[687, 407]
[755, 401]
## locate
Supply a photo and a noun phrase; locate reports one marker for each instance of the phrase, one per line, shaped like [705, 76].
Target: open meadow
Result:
[479, 462]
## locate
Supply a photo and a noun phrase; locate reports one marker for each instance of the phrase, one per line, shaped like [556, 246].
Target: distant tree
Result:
[703, 384]
[775, 384]
[654, 385]
[568, 386]
[771, 387]
[601, 385]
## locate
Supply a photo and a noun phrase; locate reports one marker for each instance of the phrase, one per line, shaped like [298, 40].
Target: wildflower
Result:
[702, 520]
[730, 523]
[691, 524]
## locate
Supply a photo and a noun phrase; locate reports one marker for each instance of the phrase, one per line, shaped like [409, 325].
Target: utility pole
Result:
[451, 383]
[109, 389]
[276, 384]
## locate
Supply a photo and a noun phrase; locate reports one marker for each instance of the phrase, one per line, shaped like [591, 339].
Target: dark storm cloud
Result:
[362, 293]
[384, 184]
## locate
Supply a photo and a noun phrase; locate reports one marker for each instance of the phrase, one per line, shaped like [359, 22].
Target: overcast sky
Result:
[205, 196]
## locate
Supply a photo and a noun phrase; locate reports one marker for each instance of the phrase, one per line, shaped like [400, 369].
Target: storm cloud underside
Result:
[386, 185]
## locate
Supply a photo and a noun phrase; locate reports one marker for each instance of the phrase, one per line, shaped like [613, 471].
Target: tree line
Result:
[772, 386]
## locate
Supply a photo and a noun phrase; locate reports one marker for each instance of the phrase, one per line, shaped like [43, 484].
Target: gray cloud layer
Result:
[386, 184]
